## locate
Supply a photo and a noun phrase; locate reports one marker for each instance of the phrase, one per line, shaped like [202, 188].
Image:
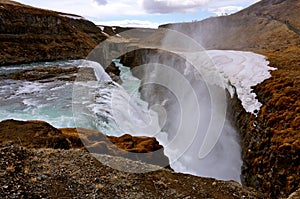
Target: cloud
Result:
[226, 10]
[108, 10]
[172, 6]
[129, 23]
[101, 2]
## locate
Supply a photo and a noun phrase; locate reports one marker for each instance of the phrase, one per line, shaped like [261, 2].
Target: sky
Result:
[142, 13]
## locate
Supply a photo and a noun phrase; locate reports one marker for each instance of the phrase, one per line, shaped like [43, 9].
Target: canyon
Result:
[270, 141]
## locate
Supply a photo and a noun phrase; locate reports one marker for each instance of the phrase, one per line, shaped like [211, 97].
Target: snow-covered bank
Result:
[239, 69]
[243, 70]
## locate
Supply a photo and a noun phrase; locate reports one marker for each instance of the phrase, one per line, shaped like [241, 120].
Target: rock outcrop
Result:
[45, 73]
[57, 73]
[39, 134]
[126, 146]
[272, 155]
[32, 134]
[29, 34]
[38, 160]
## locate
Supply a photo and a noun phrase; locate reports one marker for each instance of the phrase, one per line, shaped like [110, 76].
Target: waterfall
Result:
[181, 122]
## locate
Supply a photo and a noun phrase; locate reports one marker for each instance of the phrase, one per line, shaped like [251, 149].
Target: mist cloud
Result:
[171, 6]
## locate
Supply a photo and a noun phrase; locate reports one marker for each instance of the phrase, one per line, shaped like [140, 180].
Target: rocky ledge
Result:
[39, 134]
[57, 73]
[40, 161]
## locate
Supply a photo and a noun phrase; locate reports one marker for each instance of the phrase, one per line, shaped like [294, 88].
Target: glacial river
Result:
[202, 142]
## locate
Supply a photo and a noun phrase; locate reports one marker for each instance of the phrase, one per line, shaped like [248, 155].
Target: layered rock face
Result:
[29, 34]
[126, 146]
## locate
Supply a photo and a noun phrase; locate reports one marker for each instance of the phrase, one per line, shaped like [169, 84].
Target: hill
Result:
[29, 34]
[268, 24]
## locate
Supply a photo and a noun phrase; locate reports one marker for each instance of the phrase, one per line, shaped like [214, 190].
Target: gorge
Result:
[269, 130]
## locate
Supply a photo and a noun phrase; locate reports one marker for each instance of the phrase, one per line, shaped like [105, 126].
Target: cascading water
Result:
[115, 109]
[102, 103]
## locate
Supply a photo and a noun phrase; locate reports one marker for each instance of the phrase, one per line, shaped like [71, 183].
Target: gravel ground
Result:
[75, 173]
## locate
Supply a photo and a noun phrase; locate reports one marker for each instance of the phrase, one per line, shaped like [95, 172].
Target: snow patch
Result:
[72, 16]
[238, 69]
[101, 28]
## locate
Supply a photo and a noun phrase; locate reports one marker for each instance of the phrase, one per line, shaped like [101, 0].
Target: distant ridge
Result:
[268, 24]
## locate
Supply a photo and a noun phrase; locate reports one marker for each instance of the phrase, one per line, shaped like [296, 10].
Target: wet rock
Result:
[47, 72]
[114, 72]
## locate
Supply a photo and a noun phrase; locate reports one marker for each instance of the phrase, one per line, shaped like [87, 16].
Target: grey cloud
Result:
[166, 6]
[101, 2]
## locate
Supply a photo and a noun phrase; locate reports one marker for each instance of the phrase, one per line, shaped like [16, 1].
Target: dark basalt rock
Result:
[39, 134]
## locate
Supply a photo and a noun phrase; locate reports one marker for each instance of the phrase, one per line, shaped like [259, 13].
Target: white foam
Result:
[100, 73]
[30, 88]
[198, 138]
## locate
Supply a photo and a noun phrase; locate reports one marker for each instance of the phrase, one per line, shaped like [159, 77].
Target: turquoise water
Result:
[109, 107]
[53, 101]
[24, 100]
